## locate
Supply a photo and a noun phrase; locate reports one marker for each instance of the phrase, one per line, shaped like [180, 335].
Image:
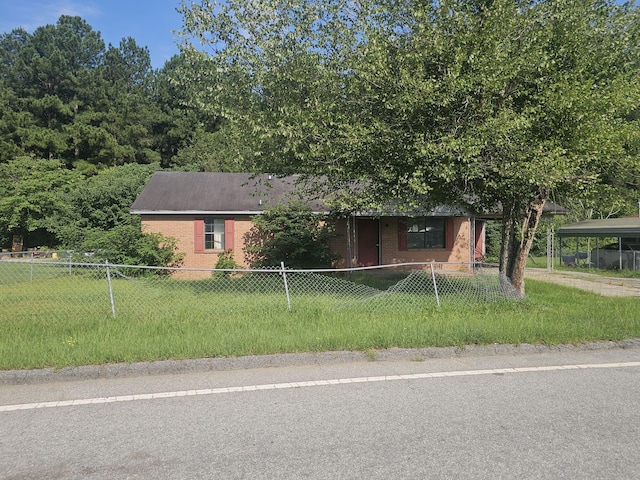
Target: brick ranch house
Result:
[210, 212]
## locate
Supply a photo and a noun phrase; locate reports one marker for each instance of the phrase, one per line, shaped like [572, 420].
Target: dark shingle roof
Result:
[214, 193]
[243, 193]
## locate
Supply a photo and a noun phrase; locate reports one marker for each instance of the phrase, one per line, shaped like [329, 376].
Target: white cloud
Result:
[33, 14]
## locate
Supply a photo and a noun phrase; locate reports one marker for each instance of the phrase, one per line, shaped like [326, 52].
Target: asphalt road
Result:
[557, 415]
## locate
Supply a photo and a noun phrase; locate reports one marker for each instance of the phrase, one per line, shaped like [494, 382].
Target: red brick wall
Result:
[389, 251]
[340, 245]
[181, 227]
[391, 254]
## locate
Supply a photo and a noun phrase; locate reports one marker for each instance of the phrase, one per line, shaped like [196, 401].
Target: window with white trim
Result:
[214, 233]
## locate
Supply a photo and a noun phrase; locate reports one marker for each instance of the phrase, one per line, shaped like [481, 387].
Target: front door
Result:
[368, 242]
[479, 248]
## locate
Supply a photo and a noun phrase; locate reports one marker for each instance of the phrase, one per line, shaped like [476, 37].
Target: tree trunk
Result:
[516, 243]
[509, 222]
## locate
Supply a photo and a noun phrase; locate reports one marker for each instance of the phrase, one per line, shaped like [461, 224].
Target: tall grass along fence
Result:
[63, 287]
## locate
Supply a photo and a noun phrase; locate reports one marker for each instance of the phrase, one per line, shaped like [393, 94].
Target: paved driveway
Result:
[607, 286]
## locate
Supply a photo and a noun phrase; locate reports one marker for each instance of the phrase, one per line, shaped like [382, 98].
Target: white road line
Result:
[311, 383]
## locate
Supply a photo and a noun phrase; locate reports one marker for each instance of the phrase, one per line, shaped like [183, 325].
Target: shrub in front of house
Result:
[292, 234]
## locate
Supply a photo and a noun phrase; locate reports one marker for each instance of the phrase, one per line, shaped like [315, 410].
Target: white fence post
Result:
[113, 305]
[286, 286]
[435, 285]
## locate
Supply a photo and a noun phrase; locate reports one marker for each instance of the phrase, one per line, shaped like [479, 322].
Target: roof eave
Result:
[206, 212]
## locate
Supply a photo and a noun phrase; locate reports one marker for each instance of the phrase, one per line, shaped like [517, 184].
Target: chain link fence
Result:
[43, 288]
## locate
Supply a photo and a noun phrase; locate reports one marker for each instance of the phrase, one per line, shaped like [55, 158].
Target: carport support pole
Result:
[286, 286]
[620, 251]
[560, 250]
[435, 285]
[113, 305]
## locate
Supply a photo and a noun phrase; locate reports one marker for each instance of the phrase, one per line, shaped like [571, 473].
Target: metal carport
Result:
[620, 228]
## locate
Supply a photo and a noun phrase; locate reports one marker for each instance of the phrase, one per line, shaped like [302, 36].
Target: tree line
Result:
[82, 127]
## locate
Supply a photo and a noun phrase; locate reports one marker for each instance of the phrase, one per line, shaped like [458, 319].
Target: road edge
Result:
[166, 367]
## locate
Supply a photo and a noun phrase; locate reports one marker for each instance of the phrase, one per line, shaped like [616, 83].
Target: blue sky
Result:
[149, 22]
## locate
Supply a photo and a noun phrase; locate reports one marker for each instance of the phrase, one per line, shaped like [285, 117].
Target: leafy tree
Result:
[31, 192]
[192, 133]
[51, 73]
[97, 219]
[10, 119]
[10, 46]
[100, 204]
[292, 234]
[131, 111]
[487, 104]
[127, 245]
[65, 96]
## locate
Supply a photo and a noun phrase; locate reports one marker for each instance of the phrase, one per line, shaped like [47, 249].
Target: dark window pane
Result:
[426, 232]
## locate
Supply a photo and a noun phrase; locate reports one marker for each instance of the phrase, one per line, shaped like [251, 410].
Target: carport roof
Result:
[610, 227]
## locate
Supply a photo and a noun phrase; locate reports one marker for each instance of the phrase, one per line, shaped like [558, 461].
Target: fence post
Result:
[286, 286]
[435, 285]
[113, 305]
[31, 268]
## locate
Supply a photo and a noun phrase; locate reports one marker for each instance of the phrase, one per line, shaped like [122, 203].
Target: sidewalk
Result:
[607, 286]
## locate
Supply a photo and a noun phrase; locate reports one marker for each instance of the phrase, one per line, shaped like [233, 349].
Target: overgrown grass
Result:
[180, 320]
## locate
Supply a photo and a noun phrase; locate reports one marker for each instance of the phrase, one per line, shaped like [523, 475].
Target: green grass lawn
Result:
[178, 320]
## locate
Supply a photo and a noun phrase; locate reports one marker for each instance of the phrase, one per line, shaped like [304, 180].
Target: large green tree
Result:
[65, 95]
[51, 74]
[482, 103]
[100, 203]
[190, 134]
[31, 193]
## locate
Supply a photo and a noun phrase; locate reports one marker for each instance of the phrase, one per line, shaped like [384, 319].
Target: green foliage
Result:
[191, 138]
[64, 95]
[474, 103]
[31, 193]
[101, 202]
[127, 245]
[103, 120]
[292, 234]
[225, 262]
[80, 214]
[493, 240]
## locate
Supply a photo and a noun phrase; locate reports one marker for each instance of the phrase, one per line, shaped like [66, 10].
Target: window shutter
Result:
[228, 233]
[198, 235]
[402, 235]
[449, 236]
